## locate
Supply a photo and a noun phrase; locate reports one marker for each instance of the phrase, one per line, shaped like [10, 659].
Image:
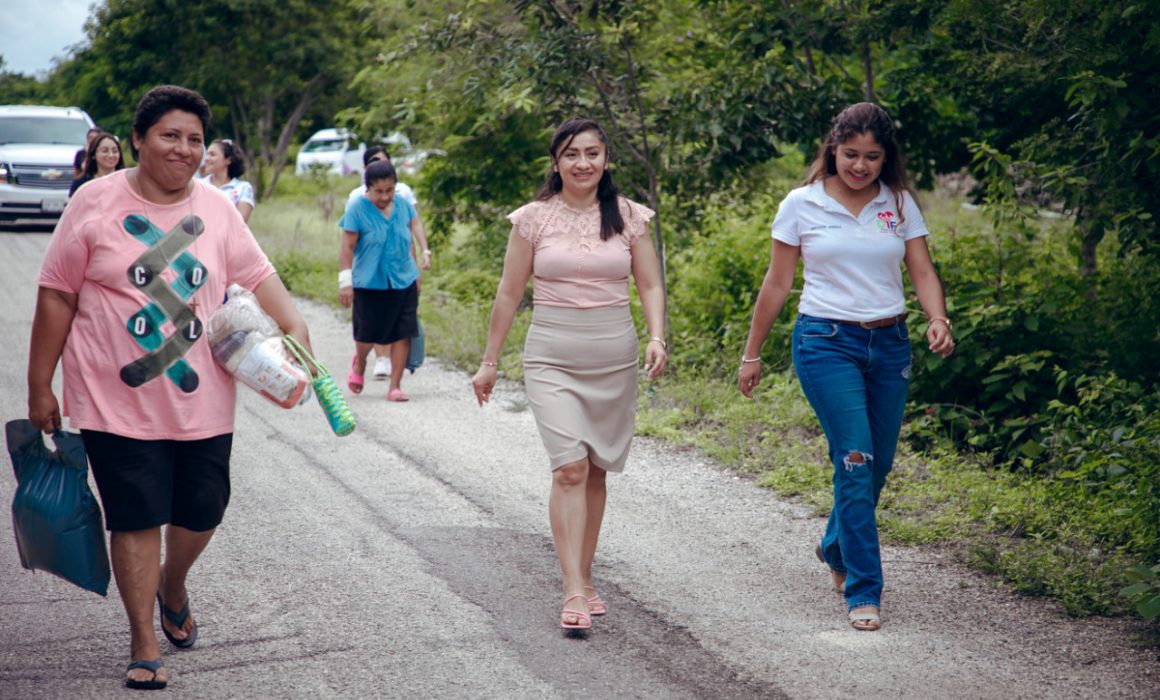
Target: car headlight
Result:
[3, 173]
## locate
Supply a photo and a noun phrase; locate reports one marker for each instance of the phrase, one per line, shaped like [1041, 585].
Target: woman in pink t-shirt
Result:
[579, 242]
[137, 263]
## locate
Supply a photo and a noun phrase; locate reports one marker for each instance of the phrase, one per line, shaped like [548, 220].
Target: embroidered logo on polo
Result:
[886, 221]
[165, 355]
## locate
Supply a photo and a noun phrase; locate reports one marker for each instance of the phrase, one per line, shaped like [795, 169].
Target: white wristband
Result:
[345, 279]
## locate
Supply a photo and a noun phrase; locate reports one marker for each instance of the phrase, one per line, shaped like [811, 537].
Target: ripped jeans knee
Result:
[857, 458]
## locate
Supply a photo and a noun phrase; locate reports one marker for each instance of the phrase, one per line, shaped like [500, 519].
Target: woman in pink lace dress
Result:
[579, 242]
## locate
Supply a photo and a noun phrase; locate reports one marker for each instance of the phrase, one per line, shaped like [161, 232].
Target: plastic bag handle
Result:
[311, 365]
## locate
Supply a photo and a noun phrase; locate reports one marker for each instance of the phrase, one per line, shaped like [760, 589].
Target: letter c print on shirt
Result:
[168, 302]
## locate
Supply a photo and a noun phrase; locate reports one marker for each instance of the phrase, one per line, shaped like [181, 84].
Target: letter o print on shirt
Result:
[196, 275]
[140, 325]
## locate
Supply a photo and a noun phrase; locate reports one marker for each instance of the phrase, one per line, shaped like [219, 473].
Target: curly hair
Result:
[162, 100]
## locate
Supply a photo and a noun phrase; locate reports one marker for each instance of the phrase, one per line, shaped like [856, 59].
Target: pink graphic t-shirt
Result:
[147, 276]
[571, 266]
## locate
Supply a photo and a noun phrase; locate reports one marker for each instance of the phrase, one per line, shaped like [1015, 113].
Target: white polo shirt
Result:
[852, 265]
[401, 189]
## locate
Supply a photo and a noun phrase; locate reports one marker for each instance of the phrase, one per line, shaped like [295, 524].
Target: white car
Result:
[37, 148]
[336, 152]
[410, 164]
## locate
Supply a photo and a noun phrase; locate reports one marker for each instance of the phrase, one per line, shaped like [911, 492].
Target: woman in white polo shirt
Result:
[852, 223]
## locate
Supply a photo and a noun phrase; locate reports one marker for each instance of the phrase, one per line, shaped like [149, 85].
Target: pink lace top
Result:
[571, 266]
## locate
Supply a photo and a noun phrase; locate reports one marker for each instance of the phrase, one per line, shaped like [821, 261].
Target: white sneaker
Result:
[382, 368]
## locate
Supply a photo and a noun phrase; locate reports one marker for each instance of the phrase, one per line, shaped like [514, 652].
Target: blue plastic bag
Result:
[58, 524]
[418, 350]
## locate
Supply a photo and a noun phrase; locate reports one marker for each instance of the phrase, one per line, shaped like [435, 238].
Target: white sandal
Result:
[871, 618]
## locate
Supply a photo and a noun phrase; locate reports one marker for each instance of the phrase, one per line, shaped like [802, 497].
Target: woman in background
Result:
[378, 275]
[223, 166]
[376, 154]
[102, 157]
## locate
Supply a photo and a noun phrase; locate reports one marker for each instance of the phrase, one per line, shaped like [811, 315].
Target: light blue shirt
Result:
[382, 256]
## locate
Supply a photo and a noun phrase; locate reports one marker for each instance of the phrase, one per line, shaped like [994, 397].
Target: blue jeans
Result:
[856, 380]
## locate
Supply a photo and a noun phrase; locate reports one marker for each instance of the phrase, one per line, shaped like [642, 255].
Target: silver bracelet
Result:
[658, 340]
[747, 361]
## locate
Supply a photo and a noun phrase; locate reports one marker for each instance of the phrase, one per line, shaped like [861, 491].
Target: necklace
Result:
[135, 182]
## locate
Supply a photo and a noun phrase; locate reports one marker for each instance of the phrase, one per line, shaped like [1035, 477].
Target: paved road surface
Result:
[412, 559]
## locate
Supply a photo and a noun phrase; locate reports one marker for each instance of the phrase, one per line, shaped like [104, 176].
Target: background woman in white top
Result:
[224, 164]
[852, 224]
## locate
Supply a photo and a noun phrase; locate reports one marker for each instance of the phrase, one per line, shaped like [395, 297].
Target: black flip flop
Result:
[152, 683]
[177, 619]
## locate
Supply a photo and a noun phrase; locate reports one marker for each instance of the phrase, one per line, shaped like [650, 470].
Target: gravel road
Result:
[412, 559]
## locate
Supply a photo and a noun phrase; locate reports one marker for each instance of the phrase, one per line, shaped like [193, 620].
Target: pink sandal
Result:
[354, 381]
[397, 394]
[596, 604]
[583, 619]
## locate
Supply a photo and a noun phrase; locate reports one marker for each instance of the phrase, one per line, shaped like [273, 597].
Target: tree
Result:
[529, 65]
[17, 88]
[1065, 95]
[263, 65]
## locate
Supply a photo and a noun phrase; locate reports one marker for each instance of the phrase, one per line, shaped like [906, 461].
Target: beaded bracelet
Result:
[485, 363]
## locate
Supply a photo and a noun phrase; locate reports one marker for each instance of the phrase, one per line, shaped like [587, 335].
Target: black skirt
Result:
[383, 316]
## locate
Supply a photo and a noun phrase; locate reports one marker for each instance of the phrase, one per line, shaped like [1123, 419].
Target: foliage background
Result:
[1031, 127]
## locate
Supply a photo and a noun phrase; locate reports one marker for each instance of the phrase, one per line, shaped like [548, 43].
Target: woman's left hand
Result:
[655, 358]
[938, 336]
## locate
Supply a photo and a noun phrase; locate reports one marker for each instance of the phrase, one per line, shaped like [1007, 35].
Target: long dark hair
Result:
[862, 118]
[91, 155]
[611, 222]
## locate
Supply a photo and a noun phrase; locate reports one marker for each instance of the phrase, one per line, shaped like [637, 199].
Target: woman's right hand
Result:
[346, 296]
[44, 411]
[483, 382]
[748, 377]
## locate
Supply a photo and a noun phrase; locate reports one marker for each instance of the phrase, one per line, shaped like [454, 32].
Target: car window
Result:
[324, 146]
[41, 129]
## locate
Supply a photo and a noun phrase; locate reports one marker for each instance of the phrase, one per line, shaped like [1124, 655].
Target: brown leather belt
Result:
[880, 323]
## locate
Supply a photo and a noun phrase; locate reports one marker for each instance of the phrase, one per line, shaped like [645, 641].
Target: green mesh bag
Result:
[330, 397]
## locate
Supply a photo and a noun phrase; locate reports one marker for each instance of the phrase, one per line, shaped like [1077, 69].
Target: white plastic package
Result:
[248, 344]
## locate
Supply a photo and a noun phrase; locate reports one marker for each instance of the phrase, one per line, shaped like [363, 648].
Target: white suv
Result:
[335, 151]
[37, 147]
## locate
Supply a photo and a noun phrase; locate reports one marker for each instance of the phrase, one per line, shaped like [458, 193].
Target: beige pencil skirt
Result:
[580, 372]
